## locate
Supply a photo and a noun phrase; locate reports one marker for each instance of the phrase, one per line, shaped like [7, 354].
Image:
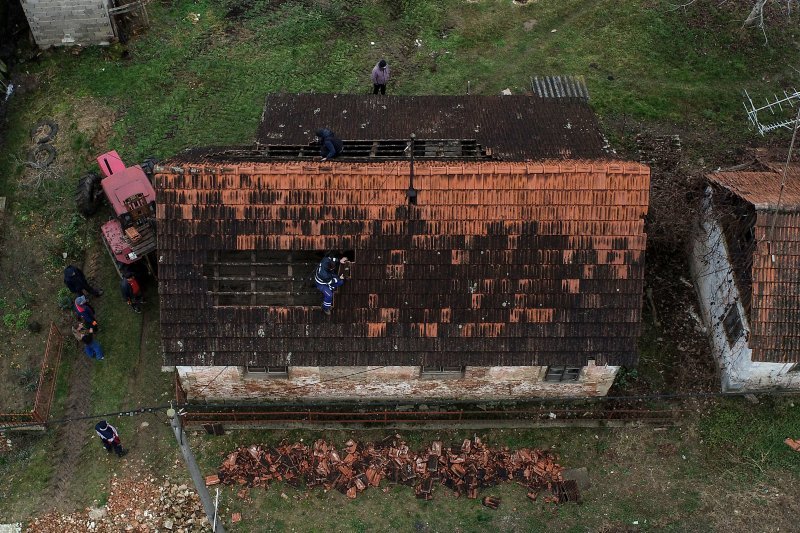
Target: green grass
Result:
[635, 483]
[751, 436]
[188, 84]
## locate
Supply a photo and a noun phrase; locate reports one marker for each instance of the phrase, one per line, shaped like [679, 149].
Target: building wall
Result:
[714, 282]
[403, 383]
[68, 22]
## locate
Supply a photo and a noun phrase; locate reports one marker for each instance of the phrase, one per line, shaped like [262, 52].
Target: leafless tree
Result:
[755, 18]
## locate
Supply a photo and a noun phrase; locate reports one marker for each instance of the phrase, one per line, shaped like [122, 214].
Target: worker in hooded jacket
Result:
[329, 144]
[327, 279]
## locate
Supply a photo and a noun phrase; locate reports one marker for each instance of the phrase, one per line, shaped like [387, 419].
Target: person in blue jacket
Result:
[329, 144]
[110, 437]
[76, 282]
[327, 279]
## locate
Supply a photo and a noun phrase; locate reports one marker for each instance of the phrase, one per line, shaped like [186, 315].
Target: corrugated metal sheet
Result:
[497, 264]
[560, 87]
[516, 128]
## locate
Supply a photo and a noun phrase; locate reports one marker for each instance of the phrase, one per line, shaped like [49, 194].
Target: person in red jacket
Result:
[132, 291]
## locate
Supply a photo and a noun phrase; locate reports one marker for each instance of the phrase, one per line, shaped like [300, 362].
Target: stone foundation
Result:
[404, 383]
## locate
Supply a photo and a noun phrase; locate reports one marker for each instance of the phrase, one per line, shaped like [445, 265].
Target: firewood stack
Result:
[463, 467]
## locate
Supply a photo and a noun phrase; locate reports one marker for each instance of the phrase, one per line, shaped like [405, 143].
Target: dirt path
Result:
[72, 436]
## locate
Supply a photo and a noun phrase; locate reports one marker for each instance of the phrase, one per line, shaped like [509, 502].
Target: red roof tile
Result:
[497, 264]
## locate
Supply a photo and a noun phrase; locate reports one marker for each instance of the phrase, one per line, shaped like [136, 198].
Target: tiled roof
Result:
[497, 264]
[775, 307]
[763, 189]
[516, 128]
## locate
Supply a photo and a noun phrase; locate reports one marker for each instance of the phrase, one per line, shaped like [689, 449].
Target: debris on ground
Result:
[491, 502]
[793, 444]
[464, 467]
[133, 505]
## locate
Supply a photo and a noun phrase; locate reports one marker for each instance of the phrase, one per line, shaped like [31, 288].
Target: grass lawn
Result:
[711, 474]
[198, 76]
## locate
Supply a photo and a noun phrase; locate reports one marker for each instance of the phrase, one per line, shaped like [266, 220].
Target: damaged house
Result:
[497, 253]
[745, 263]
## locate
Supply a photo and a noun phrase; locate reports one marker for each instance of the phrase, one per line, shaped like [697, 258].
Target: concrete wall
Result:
[713, 279]
[68, 22]
[402, 383]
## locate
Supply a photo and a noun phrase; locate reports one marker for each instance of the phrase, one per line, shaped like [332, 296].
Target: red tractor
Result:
[130, 236]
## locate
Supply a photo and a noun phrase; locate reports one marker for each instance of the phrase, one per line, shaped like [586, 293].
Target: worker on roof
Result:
[329, 144]
[327, 279]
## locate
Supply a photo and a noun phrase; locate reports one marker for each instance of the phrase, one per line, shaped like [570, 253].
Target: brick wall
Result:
[388, 383]
[68, 22]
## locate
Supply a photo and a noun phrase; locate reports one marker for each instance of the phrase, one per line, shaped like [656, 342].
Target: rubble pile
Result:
[133, 505]
[464, 467]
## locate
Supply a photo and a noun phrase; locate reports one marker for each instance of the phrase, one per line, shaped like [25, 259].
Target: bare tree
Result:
[756, 16]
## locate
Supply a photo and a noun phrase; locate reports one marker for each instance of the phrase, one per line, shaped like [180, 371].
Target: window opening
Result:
[268, 371]
[559, 374]
[442, 371]
[733, 324]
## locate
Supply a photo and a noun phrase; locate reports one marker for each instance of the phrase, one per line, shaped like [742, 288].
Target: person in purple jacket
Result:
[380, 76]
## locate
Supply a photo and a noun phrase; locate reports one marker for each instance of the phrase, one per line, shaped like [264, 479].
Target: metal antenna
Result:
[778, 107]
[783, 120]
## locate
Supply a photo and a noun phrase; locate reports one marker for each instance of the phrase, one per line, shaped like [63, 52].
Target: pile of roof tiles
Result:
[464, 467]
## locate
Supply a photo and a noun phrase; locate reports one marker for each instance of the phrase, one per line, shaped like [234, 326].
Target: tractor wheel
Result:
[41, 156]
[88, 194]
[44, 131]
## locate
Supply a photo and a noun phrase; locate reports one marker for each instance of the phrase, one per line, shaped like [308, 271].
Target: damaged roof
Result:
[763, 189]
[515, 128]
[497, 263]
[775, 304]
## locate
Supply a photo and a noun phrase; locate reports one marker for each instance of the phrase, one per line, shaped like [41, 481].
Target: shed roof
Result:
[763, 189]
[775, 303]
[515, 128]
[497, 264]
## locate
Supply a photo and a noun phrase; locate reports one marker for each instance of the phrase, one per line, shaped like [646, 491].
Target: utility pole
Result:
[199, 482]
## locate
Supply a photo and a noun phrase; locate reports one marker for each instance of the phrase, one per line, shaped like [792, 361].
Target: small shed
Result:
[745, 263]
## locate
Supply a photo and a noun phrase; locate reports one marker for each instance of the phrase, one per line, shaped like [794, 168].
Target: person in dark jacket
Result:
[131, 291]
[329, 144]
[327, 280]
[85, 335]
[85, 312]
[380, 76]
[76, 282]
[110, 437]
